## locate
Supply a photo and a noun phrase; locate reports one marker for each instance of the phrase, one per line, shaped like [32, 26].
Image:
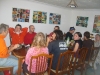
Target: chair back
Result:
[82, 54]
[41, 63]
[80, 59]
[7, 68]
[65, 62]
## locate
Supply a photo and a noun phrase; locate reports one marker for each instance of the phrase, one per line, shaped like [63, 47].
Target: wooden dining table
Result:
[20, 54]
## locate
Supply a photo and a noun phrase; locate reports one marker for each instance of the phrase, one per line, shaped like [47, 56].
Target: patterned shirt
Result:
[34, 52]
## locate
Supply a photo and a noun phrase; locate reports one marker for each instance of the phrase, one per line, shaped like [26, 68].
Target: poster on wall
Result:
[82, 21]
[54, 18]
[39, 17]
[96, 25]
[20, 15]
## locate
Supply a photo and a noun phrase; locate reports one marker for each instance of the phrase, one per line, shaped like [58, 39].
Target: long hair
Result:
[59, 35]
[39, 40]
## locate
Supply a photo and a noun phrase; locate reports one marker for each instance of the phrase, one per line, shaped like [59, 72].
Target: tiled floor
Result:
[90, 71]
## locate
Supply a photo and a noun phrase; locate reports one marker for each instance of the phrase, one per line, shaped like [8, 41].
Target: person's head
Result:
[77, 36]
[18, 28]
[39, 40]
[31, 28]
[56, 28]
[86, 35]
[57, 35]
[97, 37]
[72, 30]
[4, 29]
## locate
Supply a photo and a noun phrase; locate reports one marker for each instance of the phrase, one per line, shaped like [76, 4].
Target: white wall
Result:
[85, 13]
[68, 17]
[6, 15]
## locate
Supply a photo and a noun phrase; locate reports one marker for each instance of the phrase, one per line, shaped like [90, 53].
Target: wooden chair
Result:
[7, 68]
[81, 59]
[93, 54]
[41, 63]
[65, 63]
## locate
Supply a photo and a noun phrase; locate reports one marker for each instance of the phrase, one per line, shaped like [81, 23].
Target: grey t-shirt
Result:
[56, 47]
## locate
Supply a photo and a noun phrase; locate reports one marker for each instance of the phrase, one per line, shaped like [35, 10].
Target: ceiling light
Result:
[72, 4]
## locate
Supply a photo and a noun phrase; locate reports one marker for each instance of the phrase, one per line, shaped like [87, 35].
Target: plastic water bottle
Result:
[67, 41]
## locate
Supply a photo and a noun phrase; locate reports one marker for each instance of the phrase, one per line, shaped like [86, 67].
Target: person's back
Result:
[34, 51]
[88, 43]
[56, 47]
[38, 47]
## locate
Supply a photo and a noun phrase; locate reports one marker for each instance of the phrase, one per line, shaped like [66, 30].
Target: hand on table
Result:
[12, 47]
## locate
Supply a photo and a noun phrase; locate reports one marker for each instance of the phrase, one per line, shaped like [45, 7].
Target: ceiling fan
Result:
[72, 4]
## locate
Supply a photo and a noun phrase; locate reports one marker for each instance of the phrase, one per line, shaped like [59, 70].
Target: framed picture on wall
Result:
[20, 15]
[39, 17]
[96, 25]
[54, 18]
[82, 21]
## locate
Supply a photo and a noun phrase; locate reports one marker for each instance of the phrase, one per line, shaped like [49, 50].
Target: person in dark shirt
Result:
[78, 42]
[88, 43]
[70, 33]
[56, 47]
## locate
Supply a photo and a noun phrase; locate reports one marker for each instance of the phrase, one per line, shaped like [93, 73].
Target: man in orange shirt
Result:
[6, 59]
[17, 35]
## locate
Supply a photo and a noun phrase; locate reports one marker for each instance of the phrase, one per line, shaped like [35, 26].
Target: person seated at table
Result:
[38, 47]
[69, 35]
[50, 35]
[78, 42]
[88, 43]
[97, 40]
[29, 36]
[57, 46]
[97, 44]
[17, 35]
[6, 59]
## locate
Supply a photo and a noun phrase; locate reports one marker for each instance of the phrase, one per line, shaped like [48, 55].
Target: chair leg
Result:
[82, 69]
[93, 68]
[11, 71]
[72, 72]
[85, 70]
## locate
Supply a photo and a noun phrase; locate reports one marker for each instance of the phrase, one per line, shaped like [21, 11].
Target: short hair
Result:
[31, 25]
[87, 34]
[18, 25]
[71, 28]
[39, 40]
[59, 34]
[79, 34]
[98, 35]
[57, 27]
[3, 27]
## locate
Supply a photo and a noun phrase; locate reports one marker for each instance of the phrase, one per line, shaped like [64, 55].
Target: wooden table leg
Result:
[19, 65]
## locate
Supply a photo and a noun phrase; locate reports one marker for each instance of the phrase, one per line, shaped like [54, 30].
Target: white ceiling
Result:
[82, 4]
